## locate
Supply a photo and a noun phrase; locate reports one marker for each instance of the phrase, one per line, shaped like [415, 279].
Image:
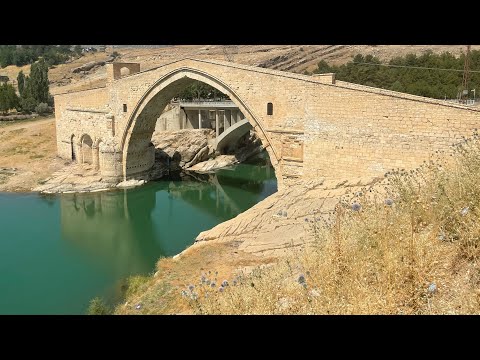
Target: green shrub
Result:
[42, 109]
[98, 307]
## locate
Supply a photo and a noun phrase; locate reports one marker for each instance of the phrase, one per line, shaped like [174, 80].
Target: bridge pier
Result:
[95, 157]
[225, 121]
[111, 160]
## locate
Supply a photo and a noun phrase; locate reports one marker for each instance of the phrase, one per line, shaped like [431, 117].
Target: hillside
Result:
[294, 58]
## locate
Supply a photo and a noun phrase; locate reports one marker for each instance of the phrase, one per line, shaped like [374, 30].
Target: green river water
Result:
[57, 252]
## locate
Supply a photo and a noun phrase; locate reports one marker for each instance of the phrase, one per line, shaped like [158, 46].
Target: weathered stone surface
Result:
[17, 117]
[316, 128]
[75, 178]
[92, 64]
[130, 183]
[184, 148]
[200, 156]
[286, 218]
[213, 164]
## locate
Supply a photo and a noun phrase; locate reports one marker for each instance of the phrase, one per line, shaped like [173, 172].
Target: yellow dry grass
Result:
[411, 247]
[29, 147]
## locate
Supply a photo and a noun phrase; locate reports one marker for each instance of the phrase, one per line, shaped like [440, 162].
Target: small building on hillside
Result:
[4, 79]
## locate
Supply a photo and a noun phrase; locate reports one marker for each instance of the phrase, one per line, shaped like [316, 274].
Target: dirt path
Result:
[30, 123]
[27, 154]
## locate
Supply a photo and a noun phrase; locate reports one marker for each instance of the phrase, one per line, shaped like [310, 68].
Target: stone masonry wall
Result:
[80, 113]
[316, 129]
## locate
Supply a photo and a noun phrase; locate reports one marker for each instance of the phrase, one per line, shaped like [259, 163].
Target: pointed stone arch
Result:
[86, 146]
[137, 150]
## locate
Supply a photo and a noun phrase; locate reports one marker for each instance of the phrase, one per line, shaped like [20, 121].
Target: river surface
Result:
[57, 252]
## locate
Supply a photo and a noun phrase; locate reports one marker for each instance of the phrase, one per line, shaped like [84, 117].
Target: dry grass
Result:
[30, 147]
[411, 247]
[161, 294]
[415, 253]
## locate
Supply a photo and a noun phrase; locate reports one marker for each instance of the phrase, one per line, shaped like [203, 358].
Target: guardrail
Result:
[468, 102]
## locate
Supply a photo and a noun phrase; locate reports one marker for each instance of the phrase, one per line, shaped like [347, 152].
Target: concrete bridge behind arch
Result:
[311, 125]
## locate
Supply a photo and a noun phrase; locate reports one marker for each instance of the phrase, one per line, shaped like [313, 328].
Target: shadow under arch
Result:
[137, 151]
[86, 147]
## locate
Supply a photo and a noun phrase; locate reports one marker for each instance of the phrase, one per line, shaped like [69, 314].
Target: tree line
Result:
[27, 54]
[33, 90]
[430, 83]
[199, 90]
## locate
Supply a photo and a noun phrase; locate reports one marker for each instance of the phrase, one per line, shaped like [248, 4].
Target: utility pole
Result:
[466, 75]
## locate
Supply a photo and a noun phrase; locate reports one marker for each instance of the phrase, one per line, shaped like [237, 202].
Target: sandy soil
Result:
[27, 154]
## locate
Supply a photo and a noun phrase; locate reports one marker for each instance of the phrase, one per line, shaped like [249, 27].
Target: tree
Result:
[323, 68]
[21, 82]
[36, 88]
[38, 85]
[200, 90]
[397, 86]
[8, 98]
[77, 50]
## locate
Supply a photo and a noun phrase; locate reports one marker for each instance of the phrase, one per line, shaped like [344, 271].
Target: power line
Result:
[466, 71]
[413, 67]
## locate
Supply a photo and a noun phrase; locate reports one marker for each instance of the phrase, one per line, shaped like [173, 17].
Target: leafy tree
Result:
[42, 109]
[200, 90]
[423, 82]
[77, 50]
[28, 104]
[28, 54]
[397, 86]
[323, 67]
[38, 82]
[8, 98]
[36, 88]
[21, 82]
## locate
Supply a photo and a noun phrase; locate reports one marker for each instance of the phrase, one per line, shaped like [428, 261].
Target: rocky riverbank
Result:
[194, 150]
[184, 150]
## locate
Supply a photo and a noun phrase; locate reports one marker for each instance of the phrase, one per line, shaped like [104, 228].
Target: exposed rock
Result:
[17, 117]
[130, 183]
[183, 148]
[217, 163]
[194, 150]
[74, 178]
[202, 155]
[251, 146]
[92, 64]
[278, 222]
[8, 171]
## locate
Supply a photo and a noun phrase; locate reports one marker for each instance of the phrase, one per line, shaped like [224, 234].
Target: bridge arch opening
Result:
[138, 151]
[124, 71]
[86, 149]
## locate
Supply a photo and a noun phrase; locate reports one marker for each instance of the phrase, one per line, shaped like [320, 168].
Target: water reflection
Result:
[120, 233]
[57, 252]
[104, 227]
[108, 236]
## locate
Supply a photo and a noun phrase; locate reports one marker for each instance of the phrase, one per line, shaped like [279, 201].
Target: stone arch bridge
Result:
[311, 126]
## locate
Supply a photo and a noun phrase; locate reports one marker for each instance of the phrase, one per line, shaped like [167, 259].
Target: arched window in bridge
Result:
[269, 109]
[124, 107]
[124, 71]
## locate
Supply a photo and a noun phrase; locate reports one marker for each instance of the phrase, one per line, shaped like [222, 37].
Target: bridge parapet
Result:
[118, 70]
